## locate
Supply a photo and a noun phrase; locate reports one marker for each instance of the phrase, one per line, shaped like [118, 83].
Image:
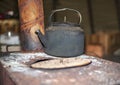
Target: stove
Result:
[17, 66]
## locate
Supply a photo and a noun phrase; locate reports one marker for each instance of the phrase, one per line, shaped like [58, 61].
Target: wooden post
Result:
[89, 3]
[55, 3]
[31, 19]
[117, 3]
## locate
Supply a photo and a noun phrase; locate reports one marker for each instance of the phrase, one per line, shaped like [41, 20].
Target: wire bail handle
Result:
[54, 11]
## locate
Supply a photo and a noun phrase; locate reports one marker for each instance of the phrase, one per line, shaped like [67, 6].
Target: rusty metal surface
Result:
[99, 72]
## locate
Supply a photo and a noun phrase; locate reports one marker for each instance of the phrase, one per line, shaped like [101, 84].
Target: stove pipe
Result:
[31, 19]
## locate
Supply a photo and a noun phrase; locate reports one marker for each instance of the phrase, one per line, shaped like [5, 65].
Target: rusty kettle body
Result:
[63, 39]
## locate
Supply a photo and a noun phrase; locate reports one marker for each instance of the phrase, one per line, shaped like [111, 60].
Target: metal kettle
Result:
[63, 39]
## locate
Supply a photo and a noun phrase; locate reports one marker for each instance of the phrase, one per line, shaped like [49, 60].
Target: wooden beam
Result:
[90, 10]
[55, 2]
[117, 2]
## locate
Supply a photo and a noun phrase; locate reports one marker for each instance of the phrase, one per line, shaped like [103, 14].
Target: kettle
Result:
[63, 39]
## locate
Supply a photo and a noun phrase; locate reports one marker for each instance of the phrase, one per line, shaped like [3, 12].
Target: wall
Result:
[6, 5]
[104, 13]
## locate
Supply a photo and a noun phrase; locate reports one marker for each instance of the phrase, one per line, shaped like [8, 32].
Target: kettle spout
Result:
[41, 37]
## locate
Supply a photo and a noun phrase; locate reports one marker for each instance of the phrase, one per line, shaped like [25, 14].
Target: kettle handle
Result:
[79, 14]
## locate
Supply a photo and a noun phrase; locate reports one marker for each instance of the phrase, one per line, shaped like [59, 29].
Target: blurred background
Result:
[100, 21]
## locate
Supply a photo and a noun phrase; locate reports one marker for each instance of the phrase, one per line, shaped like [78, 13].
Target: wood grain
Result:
[31, 19]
